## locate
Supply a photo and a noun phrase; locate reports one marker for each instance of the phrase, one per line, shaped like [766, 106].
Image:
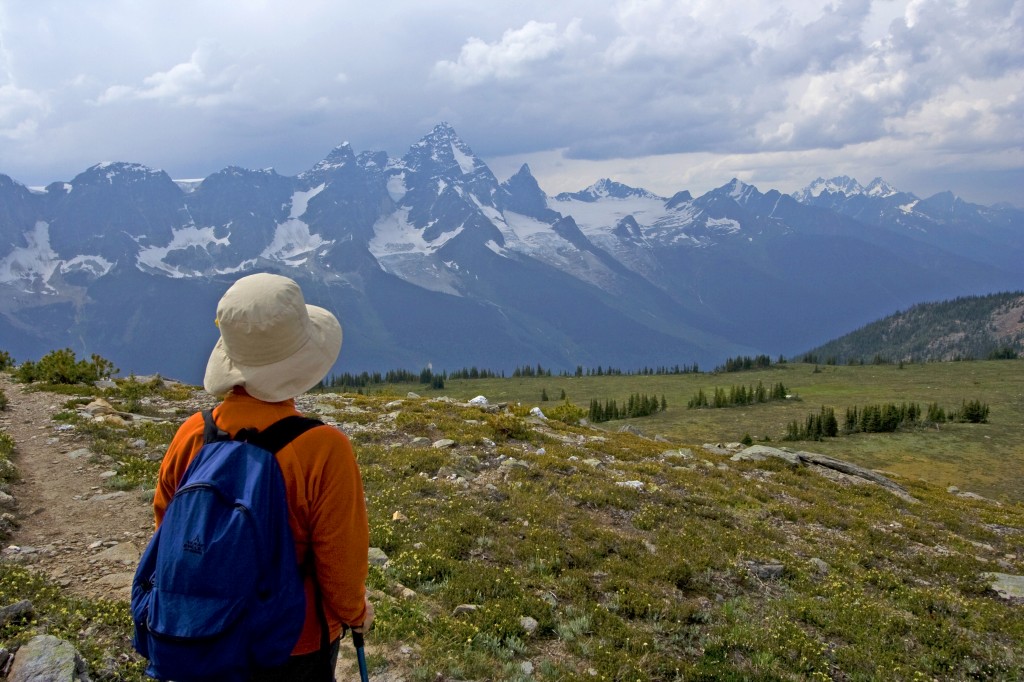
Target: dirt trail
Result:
[85, 537]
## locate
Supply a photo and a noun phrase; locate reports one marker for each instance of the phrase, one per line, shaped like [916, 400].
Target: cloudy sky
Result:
[662, 94]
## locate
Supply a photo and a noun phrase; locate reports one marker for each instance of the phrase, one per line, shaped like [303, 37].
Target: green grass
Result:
[661, 583]
[655, 585]
[983, 458]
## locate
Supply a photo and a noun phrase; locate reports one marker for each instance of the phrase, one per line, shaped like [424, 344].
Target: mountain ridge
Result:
[564, 280]
[965, 328]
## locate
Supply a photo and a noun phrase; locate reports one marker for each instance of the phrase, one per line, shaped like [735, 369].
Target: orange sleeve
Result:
[186, 443]
[340, 533]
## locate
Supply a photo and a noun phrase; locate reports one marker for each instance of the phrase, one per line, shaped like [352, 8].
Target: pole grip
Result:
[357, 642]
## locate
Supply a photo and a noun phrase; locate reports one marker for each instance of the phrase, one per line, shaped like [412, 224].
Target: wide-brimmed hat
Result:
[271, 342]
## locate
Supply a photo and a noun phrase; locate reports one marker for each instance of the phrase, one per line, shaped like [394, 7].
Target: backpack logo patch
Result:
[195, 546]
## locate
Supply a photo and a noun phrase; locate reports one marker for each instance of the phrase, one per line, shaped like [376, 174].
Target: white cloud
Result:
[207, 79]
[21, 112]
[510, 57]
[672, 29]
[943, 67]
[199, 85]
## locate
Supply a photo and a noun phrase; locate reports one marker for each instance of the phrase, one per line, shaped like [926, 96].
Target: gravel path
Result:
[85, 537]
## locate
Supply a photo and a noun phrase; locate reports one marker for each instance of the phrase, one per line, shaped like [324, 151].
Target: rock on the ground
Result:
[757, 453]
[46, 658]
[1007, 586]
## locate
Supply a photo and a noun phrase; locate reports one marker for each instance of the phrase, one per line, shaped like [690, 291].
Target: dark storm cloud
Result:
[191, 87]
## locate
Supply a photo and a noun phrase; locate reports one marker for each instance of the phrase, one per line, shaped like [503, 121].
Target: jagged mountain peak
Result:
[377, 160]
[339, 157]
[523, 178]
[679, 198]
[443, 131]
[116, 172]
[7, 182]
[524, 171]
[880, 188]
[840, 184]
[445, 154]
[607, 188]
[233, 176]
[522, 193]
[845, 186]
[442, 136]
[241, 172]
[737, 190]
[946, 203]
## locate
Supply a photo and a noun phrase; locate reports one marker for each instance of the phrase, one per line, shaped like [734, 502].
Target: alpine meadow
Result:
[627, 341]
[605, 435]
[511, 540]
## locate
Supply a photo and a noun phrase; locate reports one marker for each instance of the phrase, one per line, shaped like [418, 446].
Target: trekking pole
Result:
[357, 642]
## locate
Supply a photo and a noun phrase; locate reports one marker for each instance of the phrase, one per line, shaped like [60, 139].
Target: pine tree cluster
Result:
[530, 371]
[883, 418]
[638, 405]
[886, 418]
[663, 370]
[743, 363]
[363, 380]
[475, 373]
[738, 396]
[815, 427]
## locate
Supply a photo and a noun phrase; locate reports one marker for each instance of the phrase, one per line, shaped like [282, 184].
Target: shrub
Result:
[6, 361]
[973, 412]
[132, 391]
[61, 367]
[509, 426]
[3, 400]
[566, 412]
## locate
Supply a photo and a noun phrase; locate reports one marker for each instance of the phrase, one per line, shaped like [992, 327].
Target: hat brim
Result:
[286, 378]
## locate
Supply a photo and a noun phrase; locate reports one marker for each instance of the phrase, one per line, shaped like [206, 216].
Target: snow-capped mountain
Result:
[428, 258]
[845, 186]
[944, 220]
[607, 189]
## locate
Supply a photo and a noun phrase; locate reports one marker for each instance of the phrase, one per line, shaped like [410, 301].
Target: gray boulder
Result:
[758, 453]
[1007, 586]
[46, 658]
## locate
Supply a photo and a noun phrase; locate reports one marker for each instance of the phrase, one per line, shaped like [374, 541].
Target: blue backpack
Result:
[218, 591]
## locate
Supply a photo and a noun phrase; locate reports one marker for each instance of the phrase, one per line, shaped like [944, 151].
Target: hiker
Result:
[273, 347]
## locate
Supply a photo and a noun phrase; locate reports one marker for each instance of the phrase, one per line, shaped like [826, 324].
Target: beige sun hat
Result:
[271, 342]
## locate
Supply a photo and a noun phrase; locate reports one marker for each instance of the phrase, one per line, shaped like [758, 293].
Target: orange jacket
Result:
[326, 505]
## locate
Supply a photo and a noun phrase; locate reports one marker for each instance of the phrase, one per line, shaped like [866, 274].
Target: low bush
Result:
[566, 412]
[61, 367]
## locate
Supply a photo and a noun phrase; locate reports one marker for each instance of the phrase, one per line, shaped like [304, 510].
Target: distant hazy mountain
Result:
[429, 258]
[970, 327]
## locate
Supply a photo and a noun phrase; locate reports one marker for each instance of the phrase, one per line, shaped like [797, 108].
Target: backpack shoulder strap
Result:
[211, 432]
[282, 432]
[272, 438]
